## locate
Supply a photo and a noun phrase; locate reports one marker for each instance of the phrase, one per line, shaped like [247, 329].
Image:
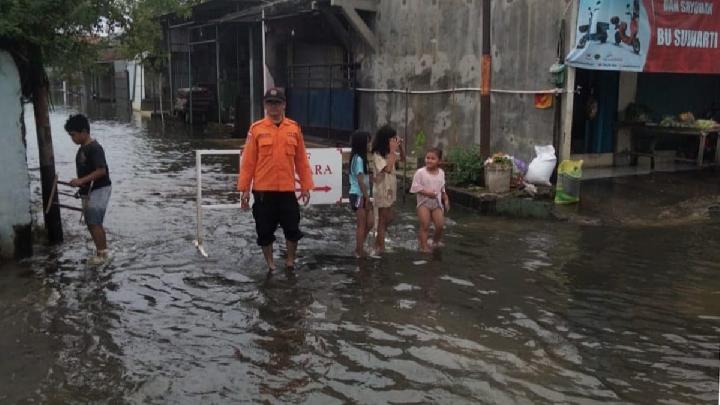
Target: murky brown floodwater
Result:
[509, 312]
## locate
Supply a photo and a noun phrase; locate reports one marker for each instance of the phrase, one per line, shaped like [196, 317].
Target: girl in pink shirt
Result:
[432, 200]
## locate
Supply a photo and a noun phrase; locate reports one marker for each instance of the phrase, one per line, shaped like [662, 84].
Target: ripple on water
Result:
[508, 312]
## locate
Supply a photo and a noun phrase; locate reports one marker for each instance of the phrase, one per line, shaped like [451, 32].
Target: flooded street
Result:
[510, 311]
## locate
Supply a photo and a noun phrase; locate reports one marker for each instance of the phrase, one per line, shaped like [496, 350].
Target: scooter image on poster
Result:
[601, 29]
[621, 35]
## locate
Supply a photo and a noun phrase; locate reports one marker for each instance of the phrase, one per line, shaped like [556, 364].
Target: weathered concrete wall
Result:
[424, 45]
[524, 41]
[436, 44]
[15, 219]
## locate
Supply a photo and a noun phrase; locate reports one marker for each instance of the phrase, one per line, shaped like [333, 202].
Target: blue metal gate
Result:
[322, 98]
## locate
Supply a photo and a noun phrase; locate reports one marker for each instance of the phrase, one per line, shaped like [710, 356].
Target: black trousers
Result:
[273, 208]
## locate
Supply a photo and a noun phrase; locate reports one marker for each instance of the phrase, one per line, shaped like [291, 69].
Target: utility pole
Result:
[53, 224]
[486, 68]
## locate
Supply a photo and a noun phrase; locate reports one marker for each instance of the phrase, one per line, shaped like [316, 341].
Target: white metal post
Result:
[264, 61]
[198, 171]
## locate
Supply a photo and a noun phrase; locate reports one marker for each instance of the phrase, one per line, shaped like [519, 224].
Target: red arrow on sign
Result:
[324, 189]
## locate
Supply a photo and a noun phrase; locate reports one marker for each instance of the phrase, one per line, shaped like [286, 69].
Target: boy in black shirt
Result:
[93, 178]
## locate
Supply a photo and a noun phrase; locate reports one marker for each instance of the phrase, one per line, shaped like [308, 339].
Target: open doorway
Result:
[595, 111]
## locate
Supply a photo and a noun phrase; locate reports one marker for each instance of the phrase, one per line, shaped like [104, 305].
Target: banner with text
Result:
[673, 36]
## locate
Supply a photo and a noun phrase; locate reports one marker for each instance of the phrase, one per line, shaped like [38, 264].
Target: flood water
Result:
[510, 311]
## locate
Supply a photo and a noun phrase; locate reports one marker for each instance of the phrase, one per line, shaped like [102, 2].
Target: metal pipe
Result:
[209, 41]
[217, 71]
[307, 99]
[185, 24]
[304, 65]
[465, 89]
[237, 70]
[251, 52]
[486, 70]
[68, 207]
[264, 61]
[330, 103]
[198, 173]
[170, 75]
[162, 114]
[142, 85]
[405, 137]
[190, 86]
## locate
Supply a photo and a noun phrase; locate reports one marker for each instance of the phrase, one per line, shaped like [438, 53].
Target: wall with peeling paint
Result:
[15, 219]
[424, 45]
[524, 42]
[436, 44]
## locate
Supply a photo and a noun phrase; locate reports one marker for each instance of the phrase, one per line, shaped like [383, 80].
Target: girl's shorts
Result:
[357, 201]
[431, 204]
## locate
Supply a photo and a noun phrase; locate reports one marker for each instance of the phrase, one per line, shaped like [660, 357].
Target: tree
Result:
[65, 34]
[62, 33]
[143, 38]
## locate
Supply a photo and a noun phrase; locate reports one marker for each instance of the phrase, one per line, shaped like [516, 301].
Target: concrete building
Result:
[431, 45]
[416, 64]
[15, 218]
[339, 59]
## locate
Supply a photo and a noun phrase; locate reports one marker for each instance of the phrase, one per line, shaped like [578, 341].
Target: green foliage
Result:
[65, 34]
[143, 38]
[68, 34]
[419, 143]
[466, 166]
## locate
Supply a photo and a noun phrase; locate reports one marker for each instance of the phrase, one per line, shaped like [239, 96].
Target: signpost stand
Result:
[326, 167]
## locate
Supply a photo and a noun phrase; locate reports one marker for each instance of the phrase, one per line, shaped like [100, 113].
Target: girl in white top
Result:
[432, 200]
[385, 150]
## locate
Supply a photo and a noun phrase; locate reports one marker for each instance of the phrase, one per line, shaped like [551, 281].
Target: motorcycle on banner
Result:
[601, 30]
[621, 27]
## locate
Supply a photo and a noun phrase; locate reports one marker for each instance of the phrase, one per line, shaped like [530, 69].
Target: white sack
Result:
[542, 166]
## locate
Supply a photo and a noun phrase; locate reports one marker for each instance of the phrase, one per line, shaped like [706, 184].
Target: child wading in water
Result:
[386, 150]
[432, 200]
[93, 178]
[360, 189]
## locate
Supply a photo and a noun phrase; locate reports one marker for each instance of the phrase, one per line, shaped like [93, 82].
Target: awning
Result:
[273, 11]
[672, 36]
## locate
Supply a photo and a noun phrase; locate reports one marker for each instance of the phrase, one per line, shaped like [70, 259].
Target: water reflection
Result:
[508, 312]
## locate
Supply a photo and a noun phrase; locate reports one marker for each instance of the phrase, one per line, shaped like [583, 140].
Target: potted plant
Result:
[498, 171]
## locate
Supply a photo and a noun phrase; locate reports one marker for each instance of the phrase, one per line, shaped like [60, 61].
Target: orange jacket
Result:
[272, 156]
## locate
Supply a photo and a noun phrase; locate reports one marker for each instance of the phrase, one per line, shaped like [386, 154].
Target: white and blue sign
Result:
[611, 35]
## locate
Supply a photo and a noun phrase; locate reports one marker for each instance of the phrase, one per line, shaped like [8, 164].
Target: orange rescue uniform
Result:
[272, 156]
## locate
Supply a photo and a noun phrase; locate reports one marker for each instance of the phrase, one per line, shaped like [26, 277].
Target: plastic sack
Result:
[542, 166]
[519, 166]
[568, 187]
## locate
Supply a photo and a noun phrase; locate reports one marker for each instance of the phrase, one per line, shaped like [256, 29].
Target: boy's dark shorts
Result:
[273, 208]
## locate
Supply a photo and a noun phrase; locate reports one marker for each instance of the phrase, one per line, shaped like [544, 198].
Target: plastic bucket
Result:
[497, 179]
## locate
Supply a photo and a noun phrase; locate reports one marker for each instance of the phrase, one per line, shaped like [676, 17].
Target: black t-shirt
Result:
[89, 158]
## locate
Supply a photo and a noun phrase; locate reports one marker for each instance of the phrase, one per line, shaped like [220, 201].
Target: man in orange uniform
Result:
[274, 152]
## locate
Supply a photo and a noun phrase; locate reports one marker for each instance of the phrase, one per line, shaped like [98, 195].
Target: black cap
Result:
[274, 94]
